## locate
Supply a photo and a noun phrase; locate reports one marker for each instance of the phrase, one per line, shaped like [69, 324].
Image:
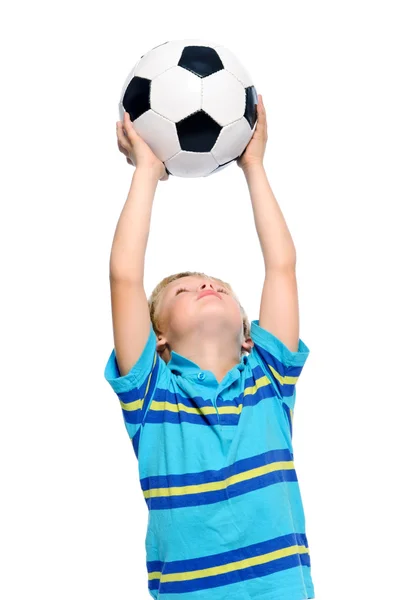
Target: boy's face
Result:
[179, 310]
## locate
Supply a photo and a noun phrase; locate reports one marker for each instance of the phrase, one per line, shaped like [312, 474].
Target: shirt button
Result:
[201, 375]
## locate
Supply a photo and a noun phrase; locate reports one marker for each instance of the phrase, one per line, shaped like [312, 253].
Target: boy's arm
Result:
[279, 310]
[130, 313]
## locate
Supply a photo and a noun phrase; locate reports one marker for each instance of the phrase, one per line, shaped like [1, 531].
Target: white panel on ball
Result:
[160, 134]
[159, 59]
[215, 90]
[232, 64]
[176, 94]
[232, 141]
[192, 164]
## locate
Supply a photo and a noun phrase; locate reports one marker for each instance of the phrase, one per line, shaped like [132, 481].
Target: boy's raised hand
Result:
[137, 151]
[255, 150]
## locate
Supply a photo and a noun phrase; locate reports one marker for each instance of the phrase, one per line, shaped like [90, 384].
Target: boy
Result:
[208, 400]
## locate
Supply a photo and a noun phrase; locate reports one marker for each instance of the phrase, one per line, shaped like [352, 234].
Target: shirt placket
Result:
[201, 376]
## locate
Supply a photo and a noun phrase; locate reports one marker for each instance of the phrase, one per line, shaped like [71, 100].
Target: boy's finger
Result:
[261, 113]
[127, 120]
[130, 130]
[123, 145]
[121, 132]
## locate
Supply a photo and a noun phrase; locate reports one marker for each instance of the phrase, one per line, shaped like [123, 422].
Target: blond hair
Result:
[154, 301]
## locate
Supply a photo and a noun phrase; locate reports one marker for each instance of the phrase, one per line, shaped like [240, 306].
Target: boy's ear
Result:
[248, 344]
[161, 344]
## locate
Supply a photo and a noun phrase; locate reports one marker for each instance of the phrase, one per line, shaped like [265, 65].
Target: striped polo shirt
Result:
[216, 467]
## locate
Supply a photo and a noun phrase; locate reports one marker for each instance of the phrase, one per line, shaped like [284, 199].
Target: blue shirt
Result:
[215, 461]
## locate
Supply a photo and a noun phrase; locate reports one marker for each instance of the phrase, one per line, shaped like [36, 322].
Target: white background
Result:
[73, 518]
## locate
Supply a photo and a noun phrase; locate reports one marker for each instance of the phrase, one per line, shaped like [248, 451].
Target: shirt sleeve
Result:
[282, 366]
[136, 388]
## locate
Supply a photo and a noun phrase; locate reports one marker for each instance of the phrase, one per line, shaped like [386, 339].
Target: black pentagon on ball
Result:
[251, 100]
[198, 132]
[136, 99]
[200, 60]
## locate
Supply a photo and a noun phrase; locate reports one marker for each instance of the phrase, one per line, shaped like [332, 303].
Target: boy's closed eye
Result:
[185, 290]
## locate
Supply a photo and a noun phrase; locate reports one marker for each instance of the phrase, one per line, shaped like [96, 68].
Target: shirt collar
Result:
[184, 366]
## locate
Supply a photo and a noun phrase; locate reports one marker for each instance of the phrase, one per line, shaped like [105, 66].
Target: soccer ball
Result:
[193, 103]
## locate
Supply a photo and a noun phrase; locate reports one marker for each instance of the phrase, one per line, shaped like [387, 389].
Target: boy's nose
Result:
[205, 286]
